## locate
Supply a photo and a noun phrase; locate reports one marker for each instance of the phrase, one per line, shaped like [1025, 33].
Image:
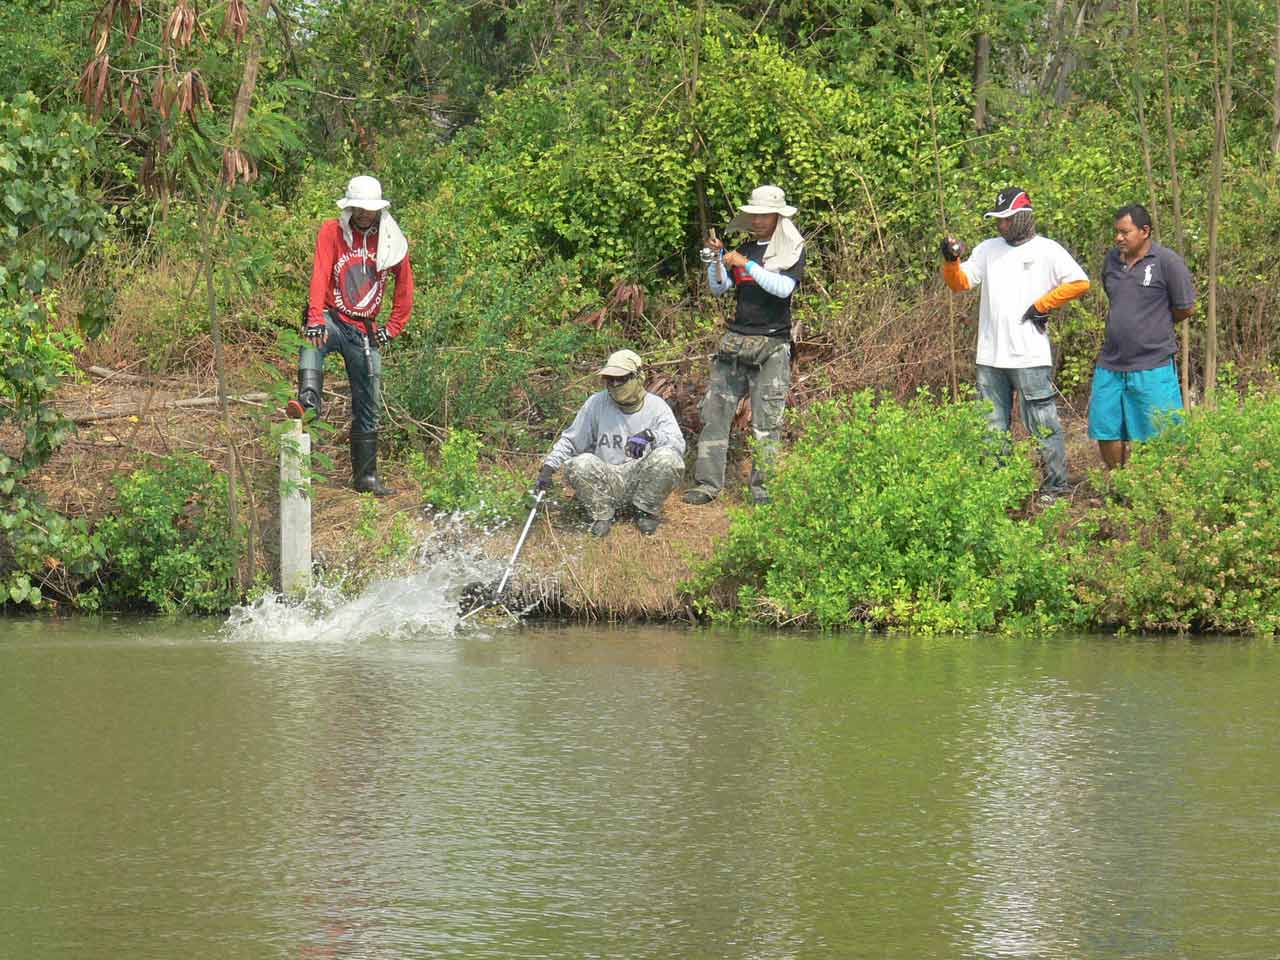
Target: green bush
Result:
[1189, 538]
[169, 542]
[896, 515]
[48, 221]
[455, 482]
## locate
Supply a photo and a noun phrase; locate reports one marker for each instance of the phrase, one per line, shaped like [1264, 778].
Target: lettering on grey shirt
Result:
[602, 427]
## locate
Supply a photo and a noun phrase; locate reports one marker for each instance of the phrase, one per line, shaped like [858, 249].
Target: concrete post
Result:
[295, 510]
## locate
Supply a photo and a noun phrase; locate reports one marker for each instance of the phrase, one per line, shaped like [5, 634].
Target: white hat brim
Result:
[784, 211]
[375, 205]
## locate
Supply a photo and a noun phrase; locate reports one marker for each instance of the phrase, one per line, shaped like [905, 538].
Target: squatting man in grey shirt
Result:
[624, 449]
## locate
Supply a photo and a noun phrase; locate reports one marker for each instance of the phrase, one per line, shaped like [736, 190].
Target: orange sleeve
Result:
[955, 277]
[1063, 293]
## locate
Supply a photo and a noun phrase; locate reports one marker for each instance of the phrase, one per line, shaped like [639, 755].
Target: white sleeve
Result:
[714, 269]
[1065, 268]
[775, 284]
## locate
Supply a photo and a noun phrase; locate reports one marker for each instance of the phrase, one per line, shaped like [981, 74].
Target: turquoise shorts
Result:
[1133, 405]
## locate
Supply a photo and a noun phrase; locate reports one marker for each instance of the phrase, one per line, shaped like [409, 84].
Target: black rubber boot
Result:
[647, 523]
[310, 386]
[364, 464]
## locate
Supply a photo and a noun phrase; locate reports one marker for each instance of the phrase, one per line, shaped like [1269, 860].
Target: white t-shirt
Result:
[1012, 278]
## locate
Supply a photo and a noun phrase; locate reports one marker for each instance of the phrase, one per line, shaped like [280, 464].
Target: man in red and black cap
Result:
[1023, 277]
[356, 254]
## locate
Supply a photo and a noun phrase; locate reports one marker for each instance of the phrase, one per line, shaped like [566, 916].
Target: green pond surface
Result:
[170, 791]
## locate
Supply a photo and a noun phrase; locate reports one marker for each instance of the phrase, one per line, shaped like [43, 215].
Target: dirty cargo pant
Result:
[1038, 410]
[730, 380]
[604, 488]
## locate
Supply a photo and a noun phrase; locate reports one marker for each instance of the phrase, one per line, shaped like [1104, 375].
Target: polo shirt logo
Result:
[1146, 276]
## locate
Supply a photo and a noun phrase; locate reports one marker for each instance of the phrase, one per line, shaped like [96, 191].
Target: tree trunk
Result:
[981, 77]
[942, 206]
[691, 92]
[1175, 189]
[1275, 89]
[248, 82]
[1139, 96]
[220, 368]
[1220, 100]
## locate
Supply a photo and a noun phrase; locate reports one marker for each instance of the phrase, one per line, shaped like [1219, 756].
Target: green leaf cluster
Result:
[455, 482]
[1189, 538]
[168, 542]
[896, 515]
[48, 220]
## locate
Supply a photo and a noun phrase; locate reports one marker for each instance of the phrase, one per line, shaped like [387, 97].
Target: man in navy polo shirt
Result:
[1135, 382]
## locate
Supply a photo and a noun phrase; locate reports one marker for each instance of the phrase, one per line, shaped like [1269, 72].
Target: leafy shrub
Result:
[1190, 536]
[895, 515]
[169, 541]
[455, 481]
[47, 221]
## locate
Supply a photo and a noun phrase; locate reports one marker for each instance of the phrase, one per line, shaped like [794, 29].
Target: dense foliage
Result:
[48, 220]
[167, 544]
[456, 482]
[1188, 537]
[897, 516]
[906, 515]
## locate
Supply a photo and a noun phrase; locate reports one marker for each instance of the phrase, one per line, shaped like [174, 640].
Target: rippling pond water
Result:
[176, 790]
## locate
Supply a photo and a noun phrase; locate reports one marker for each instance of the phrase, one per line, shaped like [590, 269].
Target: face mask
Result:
[629, 396]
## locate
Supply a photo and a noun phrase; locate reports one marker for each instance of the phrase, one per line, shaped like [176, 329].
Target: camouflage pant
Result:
[730, 380]
[603, 488]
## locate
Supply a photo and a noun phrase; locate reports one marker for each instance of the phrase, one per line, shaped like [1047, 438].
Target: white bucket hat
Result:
[768, 199]
[365, 193]
[786, 244]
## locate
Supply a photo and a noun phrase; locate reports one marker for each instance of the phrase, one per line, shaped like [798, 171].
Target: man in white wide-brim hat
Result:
[356, 253]
[754, 355]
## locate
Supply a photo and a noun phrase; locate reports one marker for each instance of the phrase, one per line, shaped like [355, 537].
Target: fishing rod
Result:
[511, 564]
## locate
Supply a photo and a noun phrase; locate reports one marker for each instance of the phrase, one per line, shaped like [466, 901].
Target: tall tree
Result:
[1275, 89]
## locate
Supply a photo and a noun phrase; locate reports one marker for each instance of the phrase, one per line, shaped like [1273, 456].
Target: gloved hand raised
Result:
[952, 249]
[544, 477]
[638, 444]
[380, 336]
[316, 334]
[1037, 316]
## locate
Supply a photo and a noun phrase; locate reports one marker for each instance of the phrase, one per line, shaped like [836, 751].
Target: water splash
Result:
[427, 600]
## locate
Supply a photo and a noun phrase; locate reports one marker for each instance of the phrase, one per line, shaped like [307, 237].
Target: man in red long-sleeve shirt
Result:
[356, 253]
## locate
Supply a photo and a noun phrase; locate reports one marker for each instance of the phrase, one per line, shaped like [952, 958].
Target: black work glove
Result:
[316, 333]
[380, 336]
[1037, 316]
[544, 477]
[638, 444]
[952, 249]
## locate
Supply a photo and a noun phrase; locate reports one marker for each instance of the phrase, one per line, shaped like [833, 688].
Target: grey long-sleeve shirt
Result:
[601, 427]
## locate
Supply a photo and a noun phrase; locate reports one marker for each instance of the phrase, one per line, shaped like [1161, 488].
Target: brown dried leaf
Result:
[104, 70]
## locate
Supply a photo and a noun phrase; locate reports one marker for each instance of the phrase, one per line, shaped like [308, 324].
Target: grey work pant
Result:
[604, 488]
[1039, 412]
[731, 380]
